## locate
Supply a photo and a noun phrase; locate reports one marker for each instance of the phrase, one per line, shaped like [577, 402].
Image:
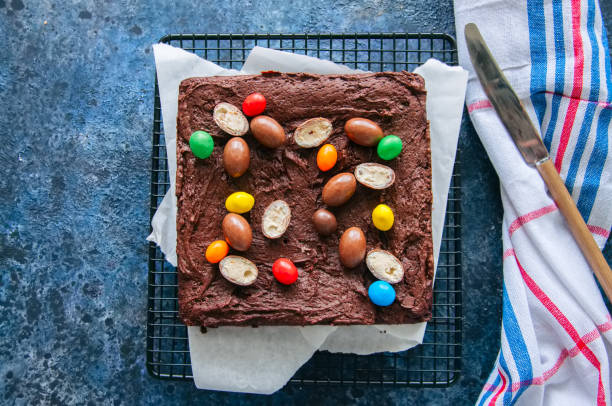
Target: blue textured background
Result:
[76, 100]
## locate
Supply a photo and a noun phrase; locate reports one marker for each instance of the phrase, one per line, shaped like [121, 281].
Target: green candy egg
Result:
[389, 147]
[201, 144]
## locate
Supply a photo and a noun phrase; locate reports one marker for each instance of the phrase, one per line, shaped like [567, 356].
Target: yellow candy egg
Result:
[239, 202]
[382, 217]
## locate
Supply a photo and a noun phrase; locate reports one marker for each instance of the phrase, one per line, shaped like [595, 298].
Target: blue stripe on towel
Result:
[559, 71]
[517, 344]
[537, 47]
[592, 178]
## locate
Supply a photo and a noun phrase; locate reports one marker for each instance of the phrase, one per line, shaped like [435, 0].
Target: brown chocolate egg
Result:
[268, 131]
[339, 189]
[352, 247]
[236, 157]
[237, 231]
[324, 222]
[363, 131]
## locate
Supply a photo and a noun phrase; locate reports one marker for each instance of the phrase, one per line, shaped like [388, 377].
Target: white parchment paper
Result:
[262, 360]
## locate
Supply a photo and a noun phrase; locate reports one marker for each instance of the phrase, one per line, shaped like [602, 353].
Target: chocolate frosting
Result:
[325, 292]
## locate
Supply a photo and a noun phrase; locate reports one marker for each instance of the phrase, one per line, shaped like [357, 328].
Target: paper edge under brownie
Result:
[397, 102]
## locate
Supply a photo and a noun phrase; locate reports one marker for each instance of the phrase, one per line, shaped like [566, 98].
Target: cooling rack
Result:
[436, 362]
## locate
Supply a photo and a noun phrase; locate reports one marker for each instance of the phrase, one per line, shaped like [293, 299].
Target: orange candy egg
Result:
[327, 157]
[216, 251]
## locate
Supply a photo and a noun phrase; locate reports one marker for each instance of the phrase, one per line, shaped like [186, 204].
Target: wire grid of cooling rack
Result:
[436, 362]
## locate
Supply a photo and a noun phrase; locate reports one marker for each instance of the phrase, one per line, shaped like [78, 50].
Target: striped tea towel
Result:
[556, 332]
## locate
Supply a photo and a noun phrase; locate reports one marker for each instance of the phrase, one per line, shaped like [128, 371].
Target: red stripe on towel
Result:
[567, 326]
[526, 218]
[501, 388]
[480, 104]
[598, 230]
[577, 86]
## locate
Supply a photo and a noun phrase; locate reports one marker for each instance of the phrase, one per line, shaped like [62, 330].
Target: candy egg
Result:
[385, 266]
[254, 104]
[237, 231]
[201, 144]
[312, 133]
[339, 189]
[327, 157]
[324, 222]
[382, 217]
[275, 219]
[230, 119]
[216, 251]
[239, 202]
[363, 131]
[352, 247]
[238, 270]
[374, 176]
[268, 131]
[389, 147]
[236, 157]
[381, 293]
[284, 271]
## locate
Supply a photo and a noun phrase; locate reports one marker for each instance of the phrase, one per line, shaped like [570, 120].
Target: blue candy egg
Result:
[381, 293]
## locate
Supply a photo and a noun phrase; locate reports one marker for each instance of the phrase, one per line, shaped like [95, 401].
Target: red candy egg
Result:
[284, 271]
[254, 104]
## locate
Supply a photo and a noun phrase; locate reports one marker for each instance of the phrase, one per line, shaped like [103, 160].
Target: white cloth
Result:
[556, 330]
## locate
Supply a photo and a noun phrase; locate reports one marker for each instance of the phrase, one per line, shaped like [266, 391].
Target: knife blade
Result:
[520, 127]
[503, 98]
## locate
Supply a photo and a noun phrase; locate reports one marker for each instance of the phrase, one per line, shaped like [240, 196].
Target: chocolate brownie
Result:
[325, 292]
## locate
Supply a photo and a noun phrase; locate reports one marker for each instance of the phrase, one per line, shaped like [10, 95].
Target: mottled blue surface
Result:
[76, 100]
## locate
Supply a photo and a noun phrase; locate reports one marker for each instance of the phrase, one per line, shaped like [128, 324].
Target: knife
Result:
[527, 140]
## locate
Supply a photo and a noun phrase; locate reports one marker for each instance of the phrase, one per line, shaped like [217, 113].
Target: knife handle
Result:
[578, 227]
